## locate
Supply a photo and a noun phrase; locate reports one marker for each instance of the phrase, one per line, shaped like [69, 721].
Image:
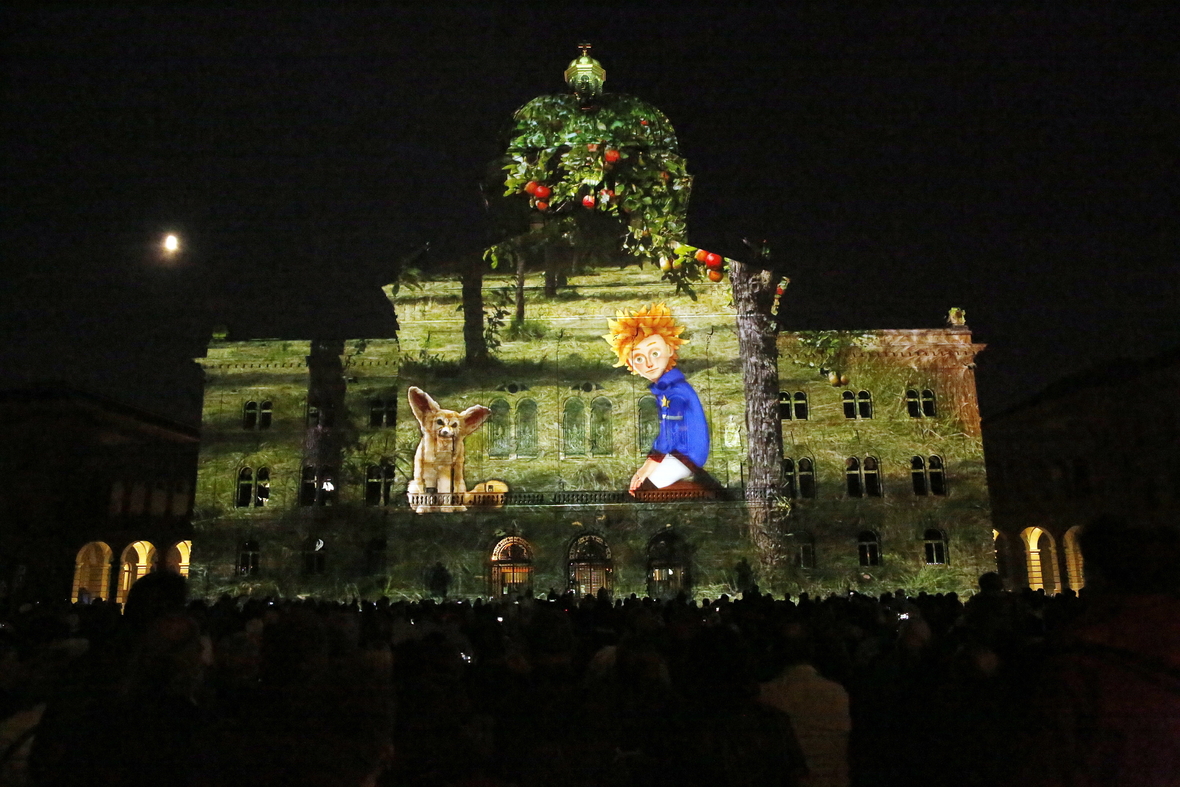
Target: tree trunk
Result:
[753, 295]
[473, 318]
[518, 317]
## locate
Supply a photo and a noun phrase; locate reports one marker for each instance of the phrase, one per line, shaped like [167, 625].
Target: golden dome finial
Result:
[585, 75]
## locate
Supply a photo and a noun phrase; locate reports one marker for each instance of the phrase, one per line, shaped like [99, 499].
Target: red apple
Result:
[611, 156]
[779, 291]
[700, 255]
[714, 261]
[716, 275]
[542, 191]
[531, 187]
[588, 201]
[542, 206]
[643, 122]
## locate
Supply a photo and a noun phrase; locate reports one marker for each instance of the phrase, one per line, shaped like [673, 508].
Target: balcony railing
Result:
[443, 501]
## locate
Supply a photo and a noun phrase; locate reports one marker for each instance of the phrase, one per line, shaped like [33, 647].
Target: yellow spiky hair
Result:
[630, 328]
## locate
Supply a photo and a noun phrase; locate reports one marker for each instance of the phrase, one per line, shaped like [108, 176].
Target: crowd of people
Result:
[1006, 688]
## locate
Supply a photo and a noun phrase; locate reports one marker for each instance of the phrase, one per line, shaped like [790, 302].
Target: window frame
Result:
[868, 549]
[936, 549]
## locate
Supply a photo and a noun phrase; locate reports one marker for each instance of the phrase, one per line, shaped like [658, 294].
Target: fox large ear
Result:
[421, 403]
[472, 417]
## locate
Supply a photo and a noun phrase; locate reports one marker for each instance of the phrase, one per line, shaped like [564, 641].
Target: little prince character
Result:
[646, 342]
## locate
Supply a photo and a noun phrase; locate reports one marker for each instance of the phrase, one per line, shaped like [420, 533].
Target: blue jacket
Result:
[683, 428]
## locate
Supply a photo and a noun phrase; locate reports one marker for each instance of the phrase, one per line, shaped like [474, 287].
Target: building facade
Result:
[97, 494]
[308, 453]
[1099, 442]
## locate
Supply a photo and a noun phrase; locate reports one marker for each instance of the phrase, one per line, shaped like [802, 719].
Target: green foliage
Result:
[495, 318]
[426, 364]
[529, 330]
[622, 154]
[828, 350]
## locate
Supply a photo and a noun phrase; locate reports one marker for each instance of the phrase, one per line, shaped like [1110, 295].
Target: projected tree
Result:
[590, 178]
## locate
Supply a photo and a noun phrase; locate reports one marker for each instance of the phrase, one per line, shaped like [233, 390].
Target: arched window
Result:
[868, 548]
[499, 426]
[801, 410]
[573, 428]
[590, 565]
[1074, 563]
[929, 409]
[852, 477]
[315, 557]
[601, 440]
[799, 478]
[253, 488]
[383, 413]
[245, 495]
[913, 403]
[512, 567]
[375, 560]
[858, 405]
[649, 423]
[937, 476]
[803, 550]
[864, 405]
[317, 487]
[927, 476]
[806, 476]
[379, 485]
[176, 559]
[92, 572]
[935, 547]
[918, 475]
[792, 407]
[249, 559]
[526, 428]
[139, 559]
[1040, 559]
[250, 415]
[265, 415]
[849, 399]
[784, 405]
[872, 475]
[668, 564]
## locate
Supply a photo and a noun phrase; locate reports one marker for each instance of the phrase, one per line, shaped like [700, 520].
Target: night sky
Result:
[1017, 160]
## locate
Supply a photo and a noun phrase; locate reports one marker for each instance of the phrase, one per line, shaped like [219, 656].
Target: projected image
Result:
[648, 342]
[439, 483]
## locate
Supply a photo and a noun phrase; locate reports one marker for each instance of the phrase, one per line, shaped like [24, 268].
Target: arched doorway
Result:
[590, 565]
[176, 559]
[667, 565]
[139, 559]
[92, 572]
[1075, 564]
[512, 567]
[1040, 555]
